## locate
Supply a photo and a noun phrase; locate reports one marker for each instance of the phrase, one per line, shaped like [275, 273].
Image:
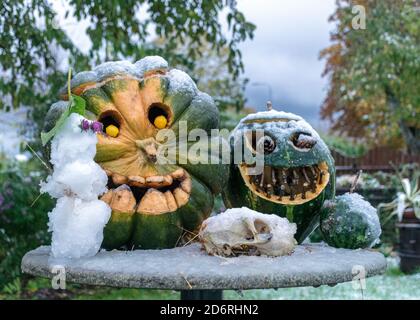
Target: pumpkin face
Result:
[153, 203]
[298, 172]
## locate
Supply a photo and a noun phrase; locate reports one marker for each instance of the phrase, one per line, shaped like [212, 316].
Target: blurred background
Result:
[351, 68]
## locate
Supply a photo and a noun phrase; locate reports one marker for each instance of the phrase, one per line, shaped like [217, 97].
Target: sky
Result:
[284, 54]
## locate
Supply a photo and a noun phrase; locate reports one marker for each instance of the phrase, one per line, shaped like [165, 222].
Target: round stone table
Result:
[200, 276]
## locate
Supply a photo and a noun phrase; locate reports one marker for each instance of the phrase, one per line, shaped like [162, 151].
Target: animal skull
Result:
[244, 231]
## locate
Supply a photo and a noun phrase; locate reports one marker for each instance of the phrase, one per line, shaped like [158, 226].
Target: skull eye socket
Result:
[159, 115]
[261, 226]
[249, 237]
[111, 123]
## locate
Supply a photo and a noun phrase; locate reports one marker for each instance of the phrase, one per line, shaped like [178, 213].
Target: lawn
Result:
[392, 285]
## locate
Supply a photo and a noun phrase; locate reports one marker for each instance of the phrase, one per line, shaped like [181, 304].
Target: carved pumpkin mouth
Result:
[152, 195]
[288, 186]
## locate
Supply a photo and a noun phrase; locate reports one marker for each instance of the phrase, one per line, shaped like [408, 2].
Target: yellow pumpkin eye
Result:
[112, 130]
[159, 115]
[160, 122]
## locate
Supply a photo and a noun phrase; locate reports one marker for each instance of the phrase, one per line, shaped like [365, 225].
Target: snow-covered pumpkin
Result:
[349, 221]
[298, 172]
[153, 203]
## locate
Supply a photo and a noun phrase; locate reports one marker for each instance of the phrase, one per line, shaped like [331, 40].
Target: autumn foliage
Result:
[374, 73]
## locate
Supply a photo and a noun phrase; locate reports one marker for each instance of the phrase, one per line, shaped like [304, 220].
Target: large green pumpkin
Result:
[298, 173]
[153, 203]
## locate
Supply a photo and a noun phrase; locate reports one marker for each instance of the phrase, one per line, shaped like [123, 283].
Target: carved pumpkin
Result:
[153, 204]
[298, 173]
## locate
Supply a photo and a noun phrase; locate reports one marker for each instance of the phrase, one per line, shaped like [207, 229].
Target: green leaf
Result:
[76, 105]
[47, 136]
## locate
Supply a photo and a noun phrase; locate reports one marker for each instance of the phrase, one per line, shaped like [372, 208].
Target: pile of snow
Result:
[78, 219]
[242, 230]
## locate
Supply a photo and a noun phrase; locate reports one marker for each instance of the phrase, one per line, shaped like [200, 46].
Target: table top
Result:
[190, 267]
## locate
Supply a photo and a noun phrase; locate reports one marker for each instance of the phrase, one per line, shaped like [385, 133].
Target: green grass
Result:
[392, 285]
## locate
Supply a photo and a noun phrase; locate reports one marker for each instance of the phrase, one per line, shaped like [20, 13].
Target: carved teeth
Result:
[186, 185]
[297, 184]
[158, 181]
[119, 179]
[153, 194]
[107, 197]
[178, 174]
[136, 181]
[270, 190]
[170, 200]
[181, 196]
[305, 175]
[154, 179]
[321, 175]
[120, 199]
[153, 202]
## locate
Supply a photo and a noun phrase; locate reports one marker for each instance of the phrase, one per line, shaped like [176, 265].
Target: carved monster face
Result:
[153, 202]
[297, 172]
[295, 159]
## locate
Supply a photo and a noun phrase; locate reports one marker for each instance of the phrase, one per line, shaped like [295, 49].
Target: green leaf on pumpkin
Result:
[76, 105]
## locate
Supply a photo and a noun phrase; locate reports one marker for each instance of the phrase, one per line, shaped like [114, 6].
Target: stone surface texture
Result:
[190, 267]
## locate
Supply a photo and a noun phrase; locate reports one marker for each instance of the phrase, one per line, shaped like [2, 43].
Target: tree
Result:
[212, 75]
[374, 73]
[32, 42]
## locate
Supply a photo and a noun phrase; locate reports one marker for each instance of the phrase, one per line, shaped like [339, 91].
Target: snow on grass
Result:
[393, 285]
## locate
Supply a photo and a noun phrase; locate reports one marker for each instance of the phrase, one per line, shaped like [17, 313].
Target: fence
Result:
[374, 160]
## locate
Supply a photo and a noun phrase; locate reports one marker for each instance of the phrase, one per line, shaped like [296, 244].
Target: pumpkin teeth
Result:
[186, 185]
[120, 199]
[136, 181]
[178, 174]
[153, 202]
[119, 179]
[288, 185]
[170, 200]
[181, 197]
[148, 195]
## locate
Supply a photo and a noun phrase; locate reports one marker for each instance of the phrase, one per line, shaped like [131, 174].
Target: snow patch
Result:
[179, 81]
[78, 219]
[274, 120]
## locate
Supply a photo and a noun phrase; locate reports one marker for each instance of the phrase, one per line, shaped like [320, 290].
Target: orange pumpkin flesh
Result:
[130, 157]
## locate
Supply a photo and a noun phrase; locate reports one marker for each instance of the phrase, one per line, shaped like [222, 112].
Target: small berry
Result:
[96, 126]
[85, 125]
[160, 122]
[112, 130]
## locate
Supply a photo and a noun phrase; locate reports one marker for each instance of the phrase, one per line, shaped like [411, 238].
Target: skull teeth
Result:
[294, 184]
